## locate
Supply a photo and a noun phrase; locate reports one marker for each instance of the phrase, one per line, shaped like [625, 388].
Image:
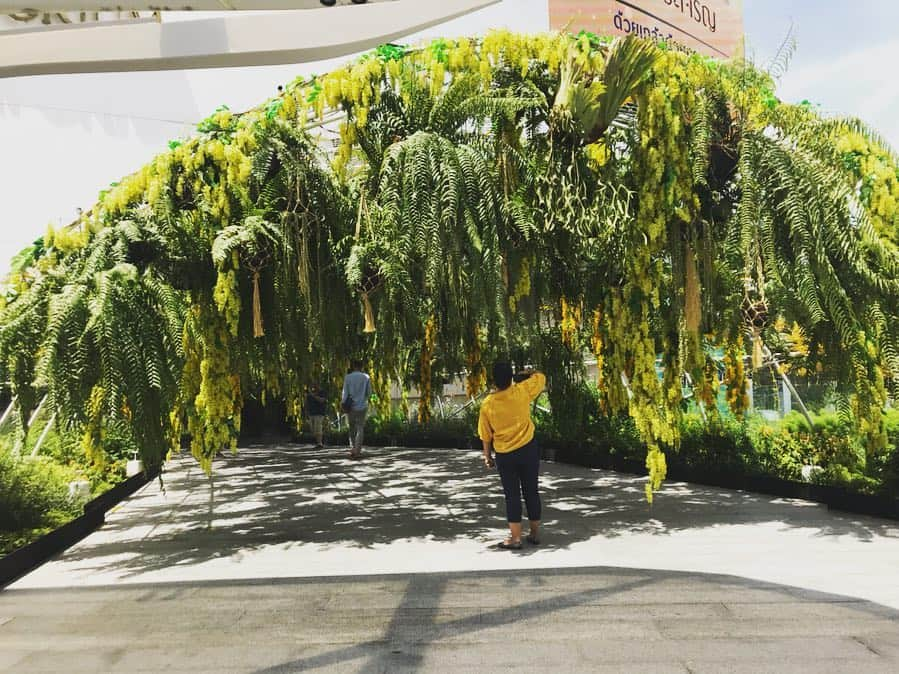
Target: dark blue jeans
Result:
[518, 471]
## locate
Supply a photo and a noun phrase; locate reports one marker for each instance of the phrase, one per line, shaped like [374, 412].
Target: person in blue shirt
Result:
[354, 401]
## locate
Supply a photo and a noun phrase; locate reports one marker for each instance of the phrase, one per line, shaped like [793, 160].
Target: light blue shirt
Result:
[357, 385]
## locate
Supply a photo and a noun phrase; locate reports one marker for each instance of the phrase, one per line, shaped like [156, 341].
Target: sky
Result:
[63, 138]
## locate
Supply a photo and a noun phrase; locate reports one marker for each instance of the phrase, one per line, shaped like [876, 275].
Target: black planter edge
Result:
[26, 559]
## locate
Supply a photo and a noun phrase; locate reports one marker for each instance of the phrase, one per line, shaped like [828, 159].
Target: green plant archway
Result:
[532, 196]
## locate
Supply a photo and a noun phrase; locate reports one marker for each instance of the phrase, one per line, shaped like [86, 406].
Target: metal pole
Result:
[20, 443]
[40, 440]
[699, 403]
[9, 408]
[37, 410]
[786, 380]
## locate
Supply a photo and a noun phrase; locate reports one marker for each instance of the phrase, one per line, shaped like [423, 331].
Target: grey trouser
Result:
[318, 425]
[356, 419]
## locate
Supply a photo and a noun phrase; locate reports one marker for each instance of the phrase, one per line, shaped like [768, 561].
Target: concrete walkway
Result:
[298, 559]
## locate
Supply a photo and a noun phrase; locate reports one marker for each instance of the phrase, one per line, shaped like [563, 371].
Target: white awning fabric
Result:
[230, 39]
[11, 6]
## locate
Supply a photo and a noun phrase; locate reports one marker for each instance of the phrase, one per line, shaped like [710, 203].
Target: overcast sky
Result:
[63, 138]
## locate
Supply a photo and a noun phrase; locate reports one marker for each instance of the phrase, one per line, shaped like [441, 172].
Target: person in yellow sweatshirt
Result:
[505, 426]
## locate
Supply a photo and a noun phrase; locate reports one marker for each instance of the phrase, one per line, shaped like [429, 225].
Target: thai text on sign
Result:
[711, 27]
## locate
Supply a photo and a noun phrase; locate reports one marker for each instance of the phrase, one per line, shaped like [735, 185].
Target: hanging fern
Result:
[514, 195]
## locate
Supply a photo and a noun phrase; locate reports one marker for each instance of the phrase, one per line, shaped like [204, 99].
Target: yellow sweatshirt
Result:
[506, 415]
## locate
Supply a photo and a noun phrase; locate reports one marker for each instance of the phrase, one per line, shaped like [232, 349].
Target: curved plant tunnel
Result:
[535, 197]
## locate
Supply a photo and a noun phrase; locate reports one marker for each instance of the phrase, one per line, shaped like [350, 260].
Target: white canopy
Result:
[230, 39]
[12, 6]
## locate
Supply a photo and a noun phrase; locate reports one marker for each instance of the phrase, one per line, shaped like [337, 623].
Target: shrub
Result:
[826, 423]
[720, 445]
[885, 466]
[34, 493]
[833, 441]
[891, 425]
[779, 452]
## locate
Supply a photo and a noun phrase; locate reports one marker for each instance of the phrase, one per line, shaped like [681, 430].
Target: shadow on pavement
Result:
[574, 619]
[285, 494]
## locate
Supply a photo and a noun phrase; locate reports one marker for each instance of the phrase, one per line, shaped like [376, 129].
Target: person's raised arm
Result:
[534, 384]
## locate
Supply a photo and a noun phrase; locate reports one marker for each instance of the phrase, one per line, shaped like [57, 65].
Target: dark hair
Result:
[502, 374]
[356, 364]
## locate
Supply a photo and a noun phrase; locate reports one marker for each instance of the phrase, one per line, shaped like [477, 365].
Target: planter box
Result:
[16, 564]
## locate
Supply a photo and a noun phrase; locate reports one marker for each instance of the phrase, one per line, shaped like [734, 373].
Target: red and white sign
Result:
[710, 27]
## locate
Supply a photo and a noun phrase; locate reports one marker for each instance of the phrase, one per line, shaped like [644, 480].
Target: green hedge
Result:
[34, 499]
[721, 445]
[34, 492]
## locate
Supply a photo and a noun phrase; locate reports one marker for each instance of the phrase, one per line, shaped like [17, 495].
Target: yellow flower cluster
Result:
[707, 388]
[570, 325]
[597, 347]
[867, 409]
[879, 178]
[477, 373]
[176, 429]
[227, 294]
[522, 284]
[182, 167]
[798, 340]
[735, 377]
[271, 381]
[427, 355]
[658, 469]
[502, 46]
[358, 86]
[211, 389]
[294, 405]
[67, 239]
[131, 190]
[94, 433]
[345, 150]
[597, 153]
[664, 103]
[380, 384]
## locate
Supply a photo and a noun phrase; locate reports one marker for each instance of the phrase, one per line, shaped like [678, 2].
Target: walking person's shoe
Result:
[508, 544]
[533, 540]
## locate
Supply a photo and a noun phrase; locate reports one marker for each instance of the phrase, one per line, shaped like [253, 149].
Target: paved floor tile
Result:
[297, 560]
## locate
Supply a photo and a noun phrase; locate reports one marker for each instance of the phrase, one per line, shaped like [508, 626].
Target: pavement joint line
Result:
[867, 645]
